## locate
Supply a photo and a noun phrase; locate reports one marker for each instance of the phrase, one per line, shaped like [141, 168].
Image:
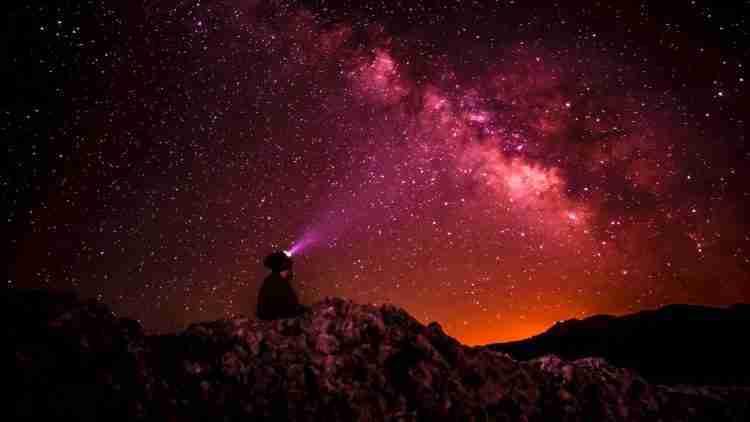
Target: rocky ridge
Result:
[675, 344]
[74, 360]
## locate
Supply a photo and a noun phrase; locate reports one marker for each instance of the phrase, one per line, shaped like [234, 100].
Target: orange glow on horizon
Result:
[498, 332]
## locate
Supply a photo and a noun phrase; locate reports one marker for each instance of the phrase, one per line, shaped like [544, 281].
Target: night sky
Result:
[493, 166]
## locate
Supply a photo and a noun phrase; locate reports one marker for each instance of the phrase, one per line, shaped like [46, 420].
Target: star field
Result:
[493, 166]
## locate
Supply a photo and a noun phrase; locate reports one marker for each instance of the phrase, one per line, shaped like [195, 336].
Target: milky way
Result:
[492, 168]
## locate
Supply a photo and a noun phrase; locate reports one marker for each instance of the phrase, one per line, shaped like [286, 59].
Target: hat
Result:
[278, 261]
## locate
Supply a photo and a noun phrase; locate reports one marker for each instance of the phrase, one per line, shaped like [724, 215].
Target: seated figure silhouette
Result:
[277, 298]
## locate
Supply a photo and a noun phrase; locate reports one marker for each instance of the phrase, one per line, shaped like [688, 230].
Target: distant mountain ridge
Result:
[675, 344]
[342, 361]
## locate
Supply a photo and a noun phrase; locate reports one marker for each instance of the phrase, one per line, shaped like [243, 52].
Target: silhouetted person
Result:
[277, 298]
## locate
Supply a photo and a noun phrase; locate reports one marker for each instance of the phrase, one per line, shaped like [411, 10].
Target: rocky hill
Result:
[676, 344]
[74, 360]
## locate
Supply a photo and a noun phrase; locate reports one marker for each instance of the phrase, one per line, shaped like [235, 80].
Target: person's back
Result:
[277, 298]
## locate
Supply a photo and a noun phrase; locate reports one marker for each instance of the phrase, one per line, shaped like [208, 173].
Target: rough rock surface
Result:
[340, 362]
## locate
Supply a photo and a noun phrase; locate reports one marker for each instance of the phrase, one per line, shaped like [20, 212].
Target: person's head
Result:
[278, 262]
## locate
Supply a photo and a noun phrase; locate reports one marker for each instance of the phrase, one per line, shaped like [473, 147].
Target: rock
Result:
[326, 344]
[341, 361]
